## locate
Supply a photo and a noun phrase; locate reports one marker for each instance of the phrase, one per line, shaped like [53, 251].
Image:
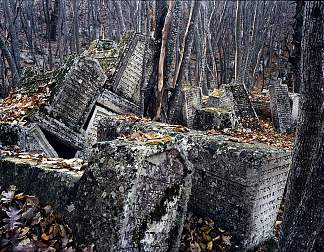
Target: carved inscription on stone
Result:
[79, 89]
[280, 106]
[91, 131]
[241, 103]
[129, 85]
[192, 102]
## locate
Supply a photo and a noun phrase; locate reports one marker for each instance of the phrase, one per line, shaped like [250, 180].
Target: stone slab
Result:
[134, 68]
[240, 101]
[51, 185]
[213, 118]
[280, 106]
[78, 91]
[239, 185]
[91, 130]
[134, 197]
[37, 142]
[118, 104]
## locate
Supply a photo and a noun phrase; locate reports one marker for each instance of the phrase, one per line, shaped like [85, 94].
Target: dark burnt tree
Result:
[303, 226]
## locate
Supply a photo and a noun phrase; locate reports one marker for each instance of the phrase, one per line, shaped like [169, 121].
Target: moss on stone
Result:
[217, 92]
[215, 110]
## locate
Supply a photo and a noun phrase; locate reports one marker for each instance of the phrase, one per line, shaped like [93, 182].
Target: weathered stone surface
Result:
[77, 93]
[51, 185]
[36, 141]
[133, 69]
[134, 197]
[118, 104]
[12, 135]
[91, 130]
[213, 118]
[240, 101]
[280, 106]
[240, 185]
[183, 109]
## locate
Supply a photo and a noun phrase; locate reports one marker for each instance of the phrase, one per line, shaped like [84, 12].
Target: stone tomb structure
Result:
[280, 106]
[239, 185]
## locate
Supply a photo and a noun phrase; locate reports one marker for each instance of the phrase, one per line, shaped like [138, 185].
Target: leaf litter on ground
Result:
[27, 226]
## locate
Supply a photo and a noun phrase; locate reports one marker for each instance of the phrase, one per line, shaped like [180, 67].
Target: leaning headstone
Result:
[185, 104]
[240, 185]
[280, 106]
[133, 69]
[37, 142]
[91, 130]
[134, 197]
[77, 92]
[240, 102]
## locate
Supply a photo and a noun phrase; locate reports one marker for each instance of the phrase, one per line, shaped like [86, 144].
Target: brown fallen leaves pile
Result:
[148, 138]
[73, 164]
[203, 235]
[25, 226]
[265, 134]
[18, 105]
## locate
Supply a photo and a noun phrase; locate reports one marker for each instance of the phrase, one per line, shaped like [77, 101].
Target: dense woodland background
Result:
[202, 40]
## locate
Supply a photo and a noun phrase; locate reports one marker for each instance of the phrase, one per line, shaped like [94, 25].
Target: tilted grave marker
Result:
[280, 106]
[91, 131]
[240, 102]
[118, 104]
[239, 185]
[78, 92]
[132, 72]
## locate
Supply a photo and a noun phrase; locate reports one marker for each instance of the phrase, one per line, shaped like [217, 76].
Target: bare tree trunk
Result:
[120, 16]
[237, 41]
[13, 33]
[165, 34]
[11, 61]
[303, 224]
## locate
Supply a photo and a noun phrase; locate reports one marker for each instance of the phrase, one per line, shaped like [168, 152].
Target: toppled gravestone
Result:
[134, 197]
[239, 185]
[187, 100]
[86, 89]
[280, 106]
[240, 102]
[77, 93]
